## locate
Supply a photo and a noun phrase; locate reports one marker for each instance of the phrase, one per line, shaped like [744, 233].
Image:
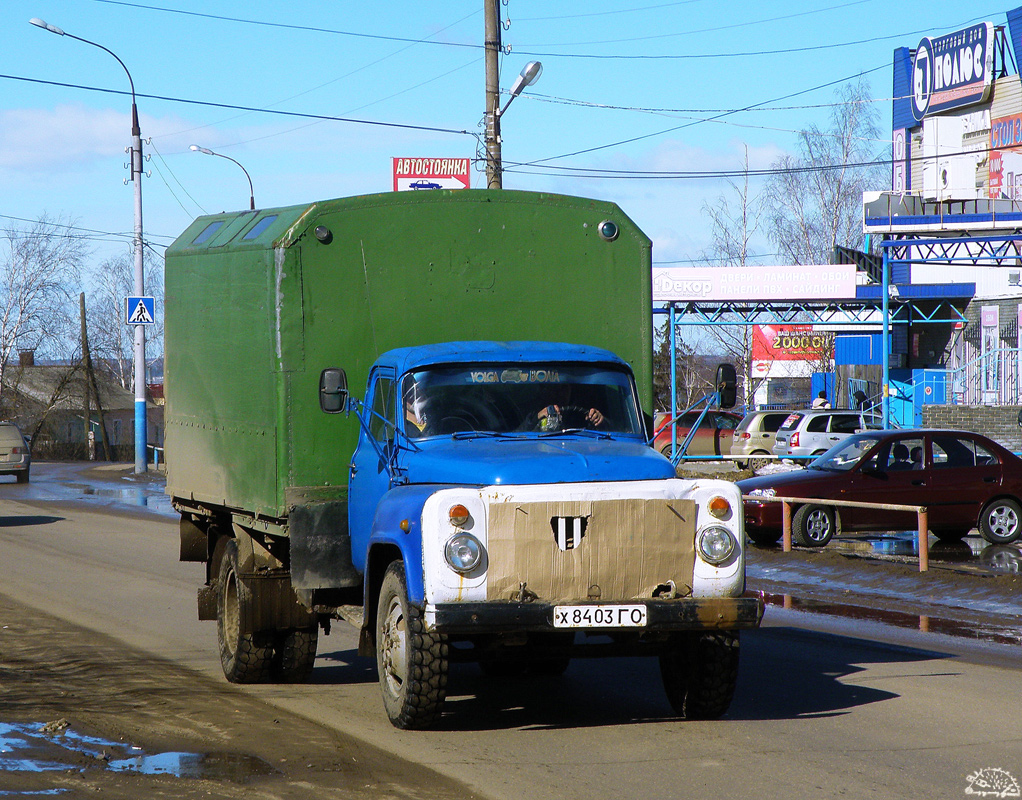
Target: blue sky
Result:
[627, 85]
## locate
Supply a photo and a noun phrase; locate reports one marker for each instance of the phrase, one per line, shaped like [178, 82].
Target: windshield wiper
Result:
[479, 435]
[584, 431]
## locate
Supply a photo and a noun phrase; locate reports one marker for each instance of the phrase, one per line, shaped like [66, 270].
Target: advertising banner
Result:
[791, 343]
[807, 282]
[953, 70]
[415, 174]
[1005, 161]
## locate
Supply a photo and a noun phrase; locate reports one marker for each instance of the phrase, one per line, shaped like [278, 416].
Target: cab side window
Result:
[381, 420]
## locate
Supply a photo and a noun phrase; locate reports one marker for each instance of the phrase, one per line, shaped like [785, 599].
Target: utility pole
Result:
[93, 388]
[493, 162]
[141, 433]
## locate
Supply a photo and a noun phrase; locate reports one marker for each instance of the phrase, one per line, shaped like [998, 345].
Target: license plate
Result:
[600, 616]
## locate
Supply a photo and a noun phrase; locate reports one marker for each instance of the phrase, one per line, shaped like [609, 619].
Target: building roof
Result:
[42, 384]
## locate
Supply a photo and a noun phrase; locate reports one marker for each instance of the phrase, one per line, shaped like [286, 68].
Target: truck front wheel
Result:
[700, 672]
[411, 662]
[245, 657]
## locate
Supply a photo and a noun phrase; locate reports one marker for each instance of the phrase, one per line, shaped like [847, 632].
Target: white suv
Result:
[812, 433]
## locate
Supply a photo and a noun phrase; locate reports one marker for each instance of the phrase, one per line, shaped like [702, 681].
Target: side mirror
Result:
[333, 391]
[727, 385]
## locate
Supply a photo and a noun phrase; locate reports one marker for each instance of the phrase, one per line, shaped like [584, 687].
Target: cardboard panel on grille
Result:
[629, 548]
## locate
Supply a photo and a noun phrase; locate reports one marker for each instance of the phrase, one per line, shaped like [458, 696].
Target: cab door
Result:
[370, 471]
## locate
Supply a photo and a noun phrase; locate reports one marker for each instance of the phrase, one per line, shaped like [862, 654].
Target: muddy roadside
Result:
[81, 715]
[971, 589]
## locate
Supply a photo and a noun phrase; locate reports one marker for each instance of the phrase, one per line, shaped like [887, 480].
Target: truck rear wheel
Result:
[245, 657]
[412, 663]
[700, 673]
[295, 654]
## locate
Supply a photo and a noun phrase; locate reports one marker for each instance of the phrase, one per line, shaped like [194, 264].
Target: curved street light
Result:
[141, 422]
[208, 152]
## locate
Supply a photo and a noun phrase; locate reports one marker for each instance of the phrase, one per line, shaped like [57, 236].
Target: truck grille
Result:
[562, 549]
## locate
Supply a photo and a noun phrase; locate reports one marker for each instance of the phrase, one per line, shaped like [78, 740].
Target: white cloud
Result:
[33, 139]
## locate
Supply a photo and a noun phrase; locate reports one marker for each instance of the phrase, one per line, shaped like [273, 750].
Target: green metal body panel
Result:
[256, 311]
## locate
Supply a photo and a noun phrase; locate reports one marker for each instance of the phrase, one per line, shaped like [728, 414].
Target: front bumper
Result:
[760, 516]
[684, 614]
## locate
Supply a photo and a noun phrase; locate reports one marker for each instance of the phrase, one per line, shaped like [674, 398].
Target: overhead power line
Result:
[702, 31]
[287, 26]
[233, 107]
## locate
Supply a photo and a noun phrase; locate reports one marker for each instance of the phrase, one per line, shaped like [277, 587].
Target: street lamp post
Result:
[529, 75]
[208, 152]
[141, 425]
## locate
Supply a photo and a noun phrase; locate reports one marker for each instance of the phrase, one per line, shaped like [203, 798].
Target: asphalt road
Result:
[823, 709]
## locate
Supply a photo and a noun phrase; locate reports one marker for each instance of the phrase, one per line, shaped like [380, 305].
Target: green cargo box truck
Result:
[491, 495]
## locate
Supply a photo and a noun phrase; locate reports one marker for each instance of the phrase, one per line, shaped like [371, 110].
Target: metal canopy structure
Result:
[885, 305]
[860, 311]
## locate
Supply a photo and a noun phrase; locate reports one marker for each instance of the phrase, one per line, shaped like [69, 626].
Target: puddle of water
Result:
[143, 496]
[148, 495]
[233, 767]
[920, 622]
[53, 747]
[1001, 558]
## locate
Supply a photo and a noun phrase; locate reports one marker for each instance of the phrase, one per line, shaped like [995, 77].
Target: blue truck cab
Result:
[504, 505]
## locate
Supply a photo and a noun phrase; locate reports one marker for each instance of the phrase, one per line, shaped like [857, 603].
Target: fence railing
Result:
[922, 516]
[991, 378]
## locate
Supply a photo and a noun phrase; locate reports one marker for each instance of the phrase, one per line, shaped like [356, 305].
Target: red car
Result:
[713, 436]
[964, 479]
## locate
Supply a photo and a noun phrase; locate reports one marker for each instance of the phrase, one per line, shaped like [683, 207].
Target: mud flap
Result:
[321, 547]
[194, 541]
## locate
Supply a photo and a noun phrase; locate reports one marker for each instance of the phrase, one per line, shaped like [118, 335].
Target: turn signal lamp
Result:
[719, 507]
[458, 515]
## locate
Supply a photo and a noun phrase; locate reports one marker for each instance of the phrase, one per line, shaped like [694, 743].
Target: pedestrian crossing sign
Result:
[140, 311]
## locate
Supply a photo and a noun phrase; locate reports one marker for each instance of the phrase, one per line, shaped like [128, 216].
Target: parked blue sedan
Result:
[964, 479]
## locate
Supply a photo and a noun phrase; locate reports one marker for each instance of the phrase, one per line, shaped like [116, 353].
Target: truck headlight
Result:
[464, 552]
[715, 544]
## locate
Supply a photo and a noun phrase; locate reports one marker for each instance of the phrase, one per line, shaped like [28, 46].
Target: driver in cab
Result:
[562, 414]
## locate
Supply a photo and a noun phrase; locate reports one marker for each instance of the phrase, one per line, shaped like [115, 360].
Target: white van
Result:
[814, 432]
[15, 458]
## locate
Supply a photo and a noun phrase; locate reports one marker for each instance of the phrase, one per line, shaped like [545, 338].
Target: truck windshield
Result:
[519, 398]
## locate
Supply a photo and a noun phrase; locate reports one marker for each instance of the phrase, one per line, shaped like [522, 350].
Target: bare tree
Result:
[691, 378]
[111, 339]
[735, 220]
[815, 196]
[40, 267]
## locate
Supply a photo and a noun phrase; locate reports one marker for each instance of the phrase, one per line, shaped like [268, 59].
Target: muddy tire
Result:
[412, 664]
[813, 526]
[1001, 521]
[700, 673]
[245, 657]
[294, 655]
